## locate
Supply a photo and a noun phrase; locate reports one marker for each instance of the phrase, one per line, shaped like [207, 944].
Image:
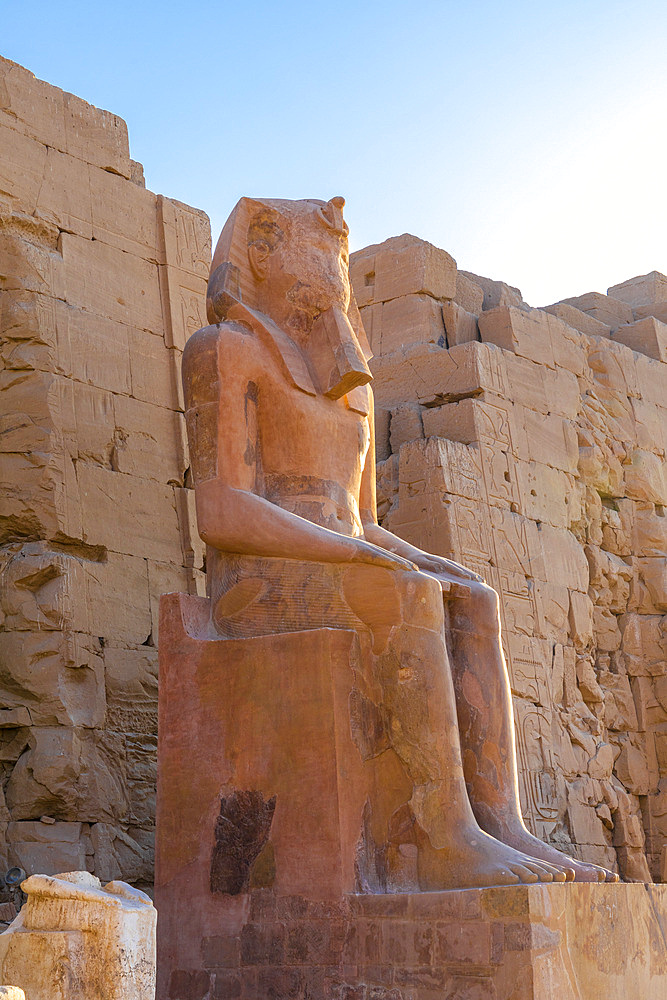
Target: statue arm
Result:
[221, 402]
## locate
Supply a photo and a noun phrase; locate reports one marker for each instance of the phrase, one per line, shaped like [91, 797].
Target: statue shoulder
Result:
[210, 345]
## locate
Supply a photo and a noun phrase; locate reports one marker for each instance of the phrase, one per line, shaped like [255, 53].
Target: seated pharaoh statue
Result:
[279, 411]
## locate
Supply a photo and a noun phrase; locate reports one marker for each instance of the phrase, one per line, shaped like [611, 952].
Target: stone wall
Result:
[529, 444]
[101, 281]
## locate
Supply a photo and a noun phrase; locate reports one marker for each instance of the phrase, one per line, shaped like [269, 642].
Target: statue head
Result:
[291, 256]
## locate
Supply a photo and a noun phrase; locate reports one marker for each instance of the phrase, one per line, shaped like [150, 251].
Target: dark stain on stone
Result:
[241, 832]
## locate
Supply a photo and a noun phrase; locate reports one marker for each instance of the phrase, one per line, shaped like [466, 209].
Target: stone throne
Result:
[316, 836]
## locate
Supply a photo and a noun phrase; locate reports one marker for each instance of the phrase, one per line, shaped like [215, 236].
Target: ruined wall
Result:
[101, 281]
[531, 446]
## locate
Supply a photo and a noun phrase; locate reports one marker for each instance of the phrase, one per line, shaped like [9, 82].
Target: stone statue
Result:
[280, 423]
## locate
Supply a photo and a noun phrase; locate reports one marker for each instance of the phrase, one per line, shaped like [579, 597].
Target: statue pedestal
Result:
[263, 777]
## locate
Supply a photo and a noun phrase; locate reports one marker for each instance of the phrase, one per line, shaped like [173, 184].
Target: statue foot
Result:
[477, 860]
[577, 871]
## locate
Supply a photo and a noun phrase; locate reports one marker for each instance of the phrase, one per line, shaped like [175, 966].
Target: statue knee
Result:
[477, 613]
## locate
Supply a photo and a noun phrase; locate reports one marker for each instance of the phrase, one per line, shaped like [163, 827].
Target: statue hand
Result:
[374, 555]
[438, 564]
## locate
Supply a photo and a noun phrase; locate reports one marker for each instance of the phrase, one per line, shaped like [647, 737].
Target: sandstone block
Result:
[578, 319]
[469, 295]
[430, 375]
[569, 346]
[57, 677]
[154, 369]
[46, 848]
[406, 265]
[581, 618]
[405, 425]
[124, 215]
[362, 275]
[107, 282]
[646, 336]
[546, 494]
[22, 166]
[610, 311]
[549, 439]
[657, 309]
[517, 544]
[540, 388]
[470, 420]
[32, 106]
[65, 198]
[167, 578]
[460, 326]
[148, 441]
[131, 689]
[646, 477]
[70, 774]
[186, 241]
[121, 511]
[645, 289]
[651, 592]
[524, 333]
[27, 266]
[564, 556]
[650, 379]
[118, 598]
[644, 640]
[411, 319]
[496, 293]
[649, 531]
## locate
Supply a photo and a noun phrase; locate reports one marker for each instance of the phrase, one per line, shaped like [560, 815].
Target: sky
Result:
[527, 139]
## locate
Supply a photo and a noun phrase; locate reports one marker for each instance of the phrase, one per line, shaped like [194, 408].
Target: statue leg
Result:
[418, 702]
[484, 709]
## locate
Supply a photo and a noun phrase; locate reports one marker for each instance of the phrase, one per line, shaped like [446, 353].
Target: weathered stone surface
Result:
[645, 289]
[101, 284]
[604, 308]
[646, 336]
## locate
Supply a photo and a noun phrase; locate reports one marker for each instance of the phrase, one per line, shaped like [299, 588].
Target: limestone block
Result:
[121, 512]
[411, 319]
[147, 439]
[70, 774]
[107, 282]
[102, 938]
[131, 688]
[56, 677]
[124, 215]
[405, 425]
[645, 289]
[646, 336]
[578, 319]
[610, 311]
[565, 557]
[496, 293]
[646, 477]
[46, 847]
[362, 276]
[469, 295]
[517, 330]
[406, 265]
[460, 326]
[429, 374]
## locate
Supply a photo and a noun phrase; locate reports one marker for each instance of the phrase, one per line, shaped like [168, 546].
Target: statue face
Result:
[306, 272]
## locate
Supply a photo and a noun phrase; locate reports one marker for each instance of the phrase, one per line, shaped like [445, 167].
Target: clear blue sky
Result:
[527, 139]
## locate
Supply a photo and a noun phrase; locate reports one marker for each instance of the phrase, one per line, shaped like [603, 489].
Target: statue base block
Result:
[570, 942]
[262, 784]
